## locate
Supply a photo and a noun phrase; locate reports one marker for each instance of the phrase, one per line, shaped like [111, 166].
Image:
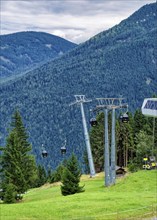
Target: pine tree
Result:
[18, 165]
[97, 143]
[140, 123]
[42, 177]
[56, 175]
[124, 142]
[71, 177]
[85, 162]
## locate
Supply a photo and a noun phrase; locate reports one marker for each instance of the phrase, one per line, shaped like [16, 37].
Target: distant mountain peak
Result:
[23, 51]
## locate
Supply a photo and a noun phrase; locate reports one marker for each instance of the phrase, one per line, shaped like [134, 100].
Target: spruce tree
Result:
[71, 177]
[18, 165]
[42, 177]
[124, 143]
[97, 143]
[56, 175]
[141, 122]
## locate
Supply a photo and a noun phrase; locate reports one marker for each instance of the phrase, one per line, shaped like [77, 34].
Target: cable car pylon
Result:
[105, 105]
[80, 99]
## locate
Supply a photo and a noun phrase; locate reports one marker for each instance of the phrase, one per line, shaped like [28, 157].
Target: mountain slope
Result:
[120, 61]
[25, 50]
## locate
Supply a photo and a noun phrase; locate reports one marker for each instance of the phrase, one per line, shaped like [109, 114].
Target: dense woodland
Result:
[119, 62]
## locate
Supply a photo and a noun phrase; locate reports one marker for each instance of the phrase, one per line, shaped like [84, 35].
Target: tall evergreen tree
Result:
[42, 177]
[125, 143]
[85, 162]
[141, 122]
[97, 138]
[71, 177]
[18, 165]
[97, 143]
[143, 147]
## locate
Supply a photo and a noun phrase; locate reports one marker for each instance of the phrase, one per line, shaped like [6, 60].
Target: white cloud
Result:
[74, 20]
[59, 33]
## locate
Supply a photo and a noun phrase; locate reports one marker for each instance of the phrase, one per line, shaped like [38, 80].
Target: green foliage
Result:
[41, 176]
[85, 162]
[56, 176]
[125, 142]
[133, 166]
[10, 193]
[71, 177]
[144, 146]
[18, 165]
[140, 122]
[97, 143]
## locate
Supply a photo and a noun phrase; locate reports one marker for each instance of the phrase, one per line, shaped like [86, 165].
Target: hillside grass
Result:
[133, 196]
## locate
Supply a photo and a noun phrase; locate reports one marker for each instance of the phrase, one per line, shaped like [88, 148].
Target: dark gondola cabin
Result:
[124, 118]
[93, 122]
[63, 150]
[44, 153]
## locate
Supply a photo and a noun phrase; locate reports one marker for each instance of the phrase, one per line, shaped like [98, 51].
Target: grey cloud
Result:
[76, 20]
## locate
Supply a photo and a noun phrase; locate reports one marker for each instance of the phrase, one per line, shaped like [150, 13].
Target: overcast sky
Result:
[74, 20]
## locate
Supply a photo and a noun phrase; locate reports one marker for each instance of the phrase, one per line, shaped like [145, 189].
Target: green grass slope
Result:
[133, 196]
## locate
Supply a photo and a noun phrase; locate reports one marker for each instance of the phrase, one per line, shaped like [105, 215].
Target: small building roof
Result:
[119, 168]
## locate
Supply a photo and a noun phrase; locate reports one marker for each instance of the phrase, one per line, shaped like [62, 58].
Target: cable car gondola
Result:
[93, 122]
[44, 153]
[63, 150]
[124, 118]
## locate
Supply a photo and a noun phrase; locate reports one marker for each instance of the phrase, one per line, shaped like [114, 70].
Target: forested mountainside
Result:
[22, 51]
[118, 62]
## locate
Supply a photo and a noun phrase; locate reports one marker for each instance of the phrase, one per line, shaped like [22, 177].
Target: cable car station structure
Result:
[149, 107]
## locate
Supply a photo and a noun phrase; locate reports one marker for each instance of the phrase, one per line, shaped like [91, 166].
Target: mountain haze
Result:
[23, 51]
[118, 62]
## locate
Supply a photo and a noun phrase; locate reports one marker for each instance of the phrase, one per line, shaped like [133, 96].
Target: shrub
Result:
[10, 194]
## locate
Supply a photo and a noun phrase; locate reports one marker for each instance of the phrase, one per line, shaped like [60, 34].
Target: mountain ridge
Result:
[22, 51]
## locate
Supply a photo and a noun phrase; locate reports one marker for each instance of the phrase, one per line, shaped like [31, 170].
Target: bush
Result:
[2, 194]
[56, 176]
[19, 197]
[133, 166]
[10, 194]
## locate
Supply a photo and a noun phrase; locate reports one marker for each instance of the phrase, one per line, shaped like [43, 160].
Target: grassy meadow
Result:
[134, 195]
